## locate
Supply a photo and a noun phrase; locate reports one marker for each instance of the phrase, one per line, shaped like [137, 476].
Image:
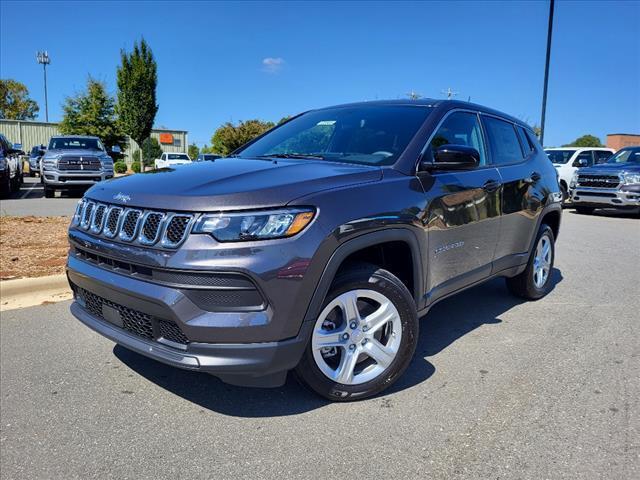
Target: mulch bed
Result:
[32, 246]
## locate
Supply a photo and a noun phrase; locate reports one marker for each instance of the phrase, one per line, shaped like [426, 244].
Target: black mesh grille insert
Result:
[177, 228]
[112, 221]
[96, 226]
[151, 227]
[133, 321]
[130, 224]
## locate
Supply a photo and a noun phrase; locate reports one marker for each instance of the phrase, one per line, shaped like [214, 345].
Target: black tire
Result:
[32, 173]
[49, 192]
[5, 188]
[585, 210]
[523, 285]
[370, 277]
[565, 194]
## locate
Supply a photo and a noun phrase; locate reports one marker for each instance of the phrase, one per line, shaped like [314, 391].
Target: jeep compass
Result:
[316, 247]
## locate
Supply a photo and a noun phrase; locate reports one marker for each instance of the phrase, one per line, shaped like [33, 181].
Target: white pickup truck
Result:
[171, 160]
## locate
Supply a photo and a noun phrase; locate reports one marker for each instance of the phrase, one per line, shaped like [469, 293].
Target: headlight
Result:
[49, 162]
[574, 180]
[630, 178]
[262, 225]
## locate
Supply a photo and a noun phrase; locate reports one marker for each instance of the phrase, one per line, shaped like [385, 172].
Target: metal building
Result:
[30, 133]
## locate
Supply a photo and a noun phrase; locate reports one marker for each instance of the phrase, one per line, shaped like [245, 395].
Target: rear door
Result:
[463, 212]
[513, 154]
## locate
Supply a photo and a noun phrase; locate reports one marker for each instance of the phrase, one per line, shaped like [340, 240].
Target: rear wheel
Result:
[535, 281]
[585, 210]
[5, 188]
[364, 338]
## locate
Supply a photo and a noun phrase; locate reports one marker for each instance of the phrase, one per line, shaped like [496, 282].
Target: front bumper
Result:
[72, 178]
[627, 196]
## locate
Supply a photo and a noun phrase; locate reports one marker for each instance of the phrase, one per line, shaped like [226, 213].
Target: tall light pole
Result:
[546, 71]
[43, 58]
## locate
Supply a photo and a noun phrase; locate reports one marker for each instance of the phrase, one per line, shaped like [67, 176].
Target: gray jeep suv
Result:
[317, 246]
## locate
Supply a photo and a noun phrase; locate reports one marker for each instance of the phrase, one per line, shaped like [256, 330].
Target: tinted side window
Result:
[460, 128]
[527, 145]
[602, 156]
[503, 141]
[586, 155]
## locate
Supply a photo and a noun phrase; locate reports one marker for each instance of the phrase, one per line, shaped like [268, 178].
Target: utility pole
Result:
[449, 93]
[546, 71]
[43, 58]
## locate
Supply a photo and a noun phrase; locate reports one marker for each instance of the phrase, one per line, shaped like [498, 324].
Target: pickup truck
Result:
[10, 167]
[614, 184]
[74, 162]
[171, 160]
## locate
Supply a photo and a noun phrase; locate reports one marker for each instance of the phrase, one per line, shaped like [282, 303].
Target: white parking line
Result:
[30, 190]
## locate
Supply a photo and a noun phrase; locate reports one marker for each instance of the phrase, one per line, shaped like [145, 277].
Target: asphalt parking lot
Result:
[498, 389]
[30, 201]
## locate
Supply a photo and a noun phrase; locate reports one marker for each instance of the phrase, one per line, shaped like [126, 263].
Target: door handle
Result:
[491, 186]
[533, 178]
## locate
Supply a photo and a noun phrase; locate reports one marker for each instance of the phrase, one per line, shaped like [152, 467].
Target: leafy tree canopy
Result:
[92, 112]
[137, 80]
[585, 141]
[229, 137]
[193, 151]
[15, 103]
[151, 150]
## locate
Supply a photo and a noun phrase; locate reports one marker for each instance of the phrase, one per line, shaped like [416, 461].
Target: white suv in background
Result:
[171, 160]
[568, 159]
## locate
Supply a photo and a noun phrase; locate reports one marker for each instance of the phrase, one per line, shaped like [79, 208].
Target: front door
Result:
[463, 212]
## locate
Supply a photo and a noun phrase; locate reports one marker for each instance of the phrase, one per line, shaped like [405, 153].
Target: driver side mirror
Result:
[453, 157]
[115, 149]
[581, 162]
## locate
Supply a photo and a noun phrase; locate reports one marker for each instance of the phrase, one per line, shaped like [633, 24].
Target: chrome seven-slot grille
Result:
[79, 163]
[145, 227]
[598, 180]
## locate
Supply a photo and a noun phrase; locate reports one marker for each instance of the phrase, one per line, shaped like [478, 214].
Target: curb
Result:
[27, 292]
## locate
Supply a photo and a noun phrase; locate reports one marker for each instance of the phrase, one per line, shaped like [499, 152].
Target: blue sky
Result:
[235, 61]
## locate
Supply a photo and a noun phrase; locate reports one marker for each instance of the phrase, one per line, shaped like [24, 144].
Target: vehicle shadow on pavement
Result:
[446, 322]
[611, 213]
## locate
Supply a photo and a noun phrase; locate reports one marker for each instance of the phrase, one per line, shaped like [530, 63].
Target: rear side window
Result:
[503, 141]
[527, 144]
[602, 156]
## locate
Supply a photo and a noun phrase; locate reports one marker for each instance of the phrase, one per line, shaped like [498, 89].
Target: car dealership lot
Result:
[498, 389]
[30, 201]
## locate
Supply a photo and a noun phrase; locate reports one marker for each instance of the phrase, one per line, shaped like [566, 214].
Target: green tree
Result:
[585, 141]
[193, 151]
[229, 137]
[151, 150]
[15, 103]
[92, 112]
[137, 80]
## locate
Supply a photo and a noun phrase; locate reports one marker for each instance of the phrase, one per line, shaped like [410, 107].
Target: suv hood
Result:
[230, 184]
[611, 168]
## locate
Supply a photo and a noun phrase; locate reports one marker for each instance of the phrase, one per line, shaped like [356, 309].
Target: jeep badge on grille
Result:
[121, 197]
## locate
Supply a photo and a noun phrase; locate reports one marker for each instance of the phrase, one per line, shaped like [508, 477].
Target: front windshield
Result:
[559, 156]
[626, 155]
[177, 156]
[63, 143]
[365, 134]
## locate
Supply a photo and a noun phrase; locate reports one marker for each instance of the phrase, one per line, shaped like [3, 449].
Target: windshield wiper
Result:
[291, 155]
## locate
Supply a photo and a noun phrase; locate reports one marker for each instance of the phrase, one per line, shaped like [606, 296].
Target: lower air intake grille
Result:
[133, 321]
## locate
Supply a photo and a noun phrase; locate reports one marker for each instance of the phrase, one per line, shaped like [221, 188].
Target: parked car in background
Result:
[35, 156]
[74, 162]
[207, 157]
[614, 184]
[318, 246]
[171, 160]
[568, 159]
[11, 176]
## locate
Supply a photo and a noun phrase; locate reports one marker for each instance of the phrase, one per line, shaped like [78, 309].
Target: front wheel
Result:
[364, 338]
[535, 281]
[49, 192]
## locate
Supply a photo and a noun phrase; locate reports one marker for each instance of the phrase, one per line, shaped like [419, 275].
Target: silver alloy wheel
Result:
[360, 348]
[542, 261]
